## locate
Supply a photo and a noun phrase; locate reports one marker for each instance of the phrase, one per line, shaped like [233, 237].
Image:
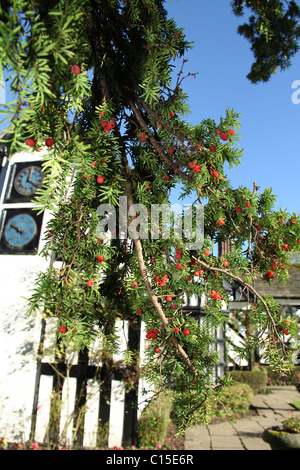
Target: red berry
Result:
[212, 148]
[166, 178]
[30, 142]
[192, 164]
[135, 284]
[221, 222]
[239, 209]
[207, 252]
[248, 204]
[197, 168]
[173, 307]
[152, 260]
[215, 295]
[49, 142]
[218, 131]
[157, 350]
[215, 174]
[285, 331]
[75, 69]
[63, 329]
[172, 114]
[94, 164]
[184, 388]
[169, 298]
[139, 311]
[196, 273]
[90, 283]
[176, 329]
[186, 332]
[177, 35]
[231, 132]
[225, 263]
[270, 274]
[179, 266]
[224, 136]
[171, 151]
[100, 259]
[100, 179]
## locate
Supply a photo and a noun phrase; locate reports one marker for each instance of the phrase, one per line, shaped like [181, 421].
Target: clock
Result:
[28, 180]
[20, 231]
[25, 180]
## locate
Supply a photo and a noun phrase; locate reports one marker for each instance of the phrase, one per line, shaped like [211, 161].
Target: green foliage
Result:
[234, 401]
[292, 424]
[273, 31]
[277, 378]
[96, 77]
[256, 378]
[153, 422]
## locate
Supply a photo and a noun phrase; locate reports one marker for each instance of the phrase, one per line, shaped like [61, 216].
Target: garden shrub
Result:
[153, 422]
[235, 400]
[256, 378]
[277, 378]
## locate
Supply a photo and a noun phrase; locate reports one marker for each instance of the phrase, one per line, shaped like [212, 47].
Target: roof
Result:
[289, 291]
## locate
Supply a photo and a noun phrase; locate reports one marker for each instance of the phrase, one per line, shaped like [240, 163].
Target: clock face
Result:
[28, 180]
[20, 230]
[25, 179]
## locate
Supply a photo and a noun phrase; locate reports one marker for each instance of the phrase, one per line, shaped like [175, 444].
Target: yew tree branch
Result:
[157, 145]
[144, 274]
[245, 284]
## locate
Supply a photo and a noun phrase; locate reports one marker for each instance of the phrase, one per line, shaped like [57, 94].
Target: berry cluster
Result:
[107, 126]
[161, 281]
[214, 294]
[152, 334]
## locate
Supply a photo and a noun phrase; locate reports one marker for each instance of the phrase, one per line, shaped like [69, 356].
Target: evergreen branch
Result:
[143, 270]
[157, 146]
[250, 288]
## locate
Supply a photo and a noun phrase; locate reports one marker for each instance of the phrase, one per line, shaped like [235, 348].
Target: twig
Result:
[246, 285]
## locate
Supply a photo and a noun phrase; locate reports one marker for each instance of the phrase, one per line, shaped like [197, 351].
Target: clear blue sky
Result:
[270, 128]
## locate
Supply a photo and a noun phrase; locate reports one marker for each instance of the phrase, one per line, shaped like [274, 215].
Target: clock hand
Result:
[29, 178]
[17, 228]
[32, 182]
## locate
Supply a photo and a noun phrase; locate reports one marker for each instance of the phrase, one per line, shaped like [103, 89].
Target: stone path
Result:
[245, 433]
